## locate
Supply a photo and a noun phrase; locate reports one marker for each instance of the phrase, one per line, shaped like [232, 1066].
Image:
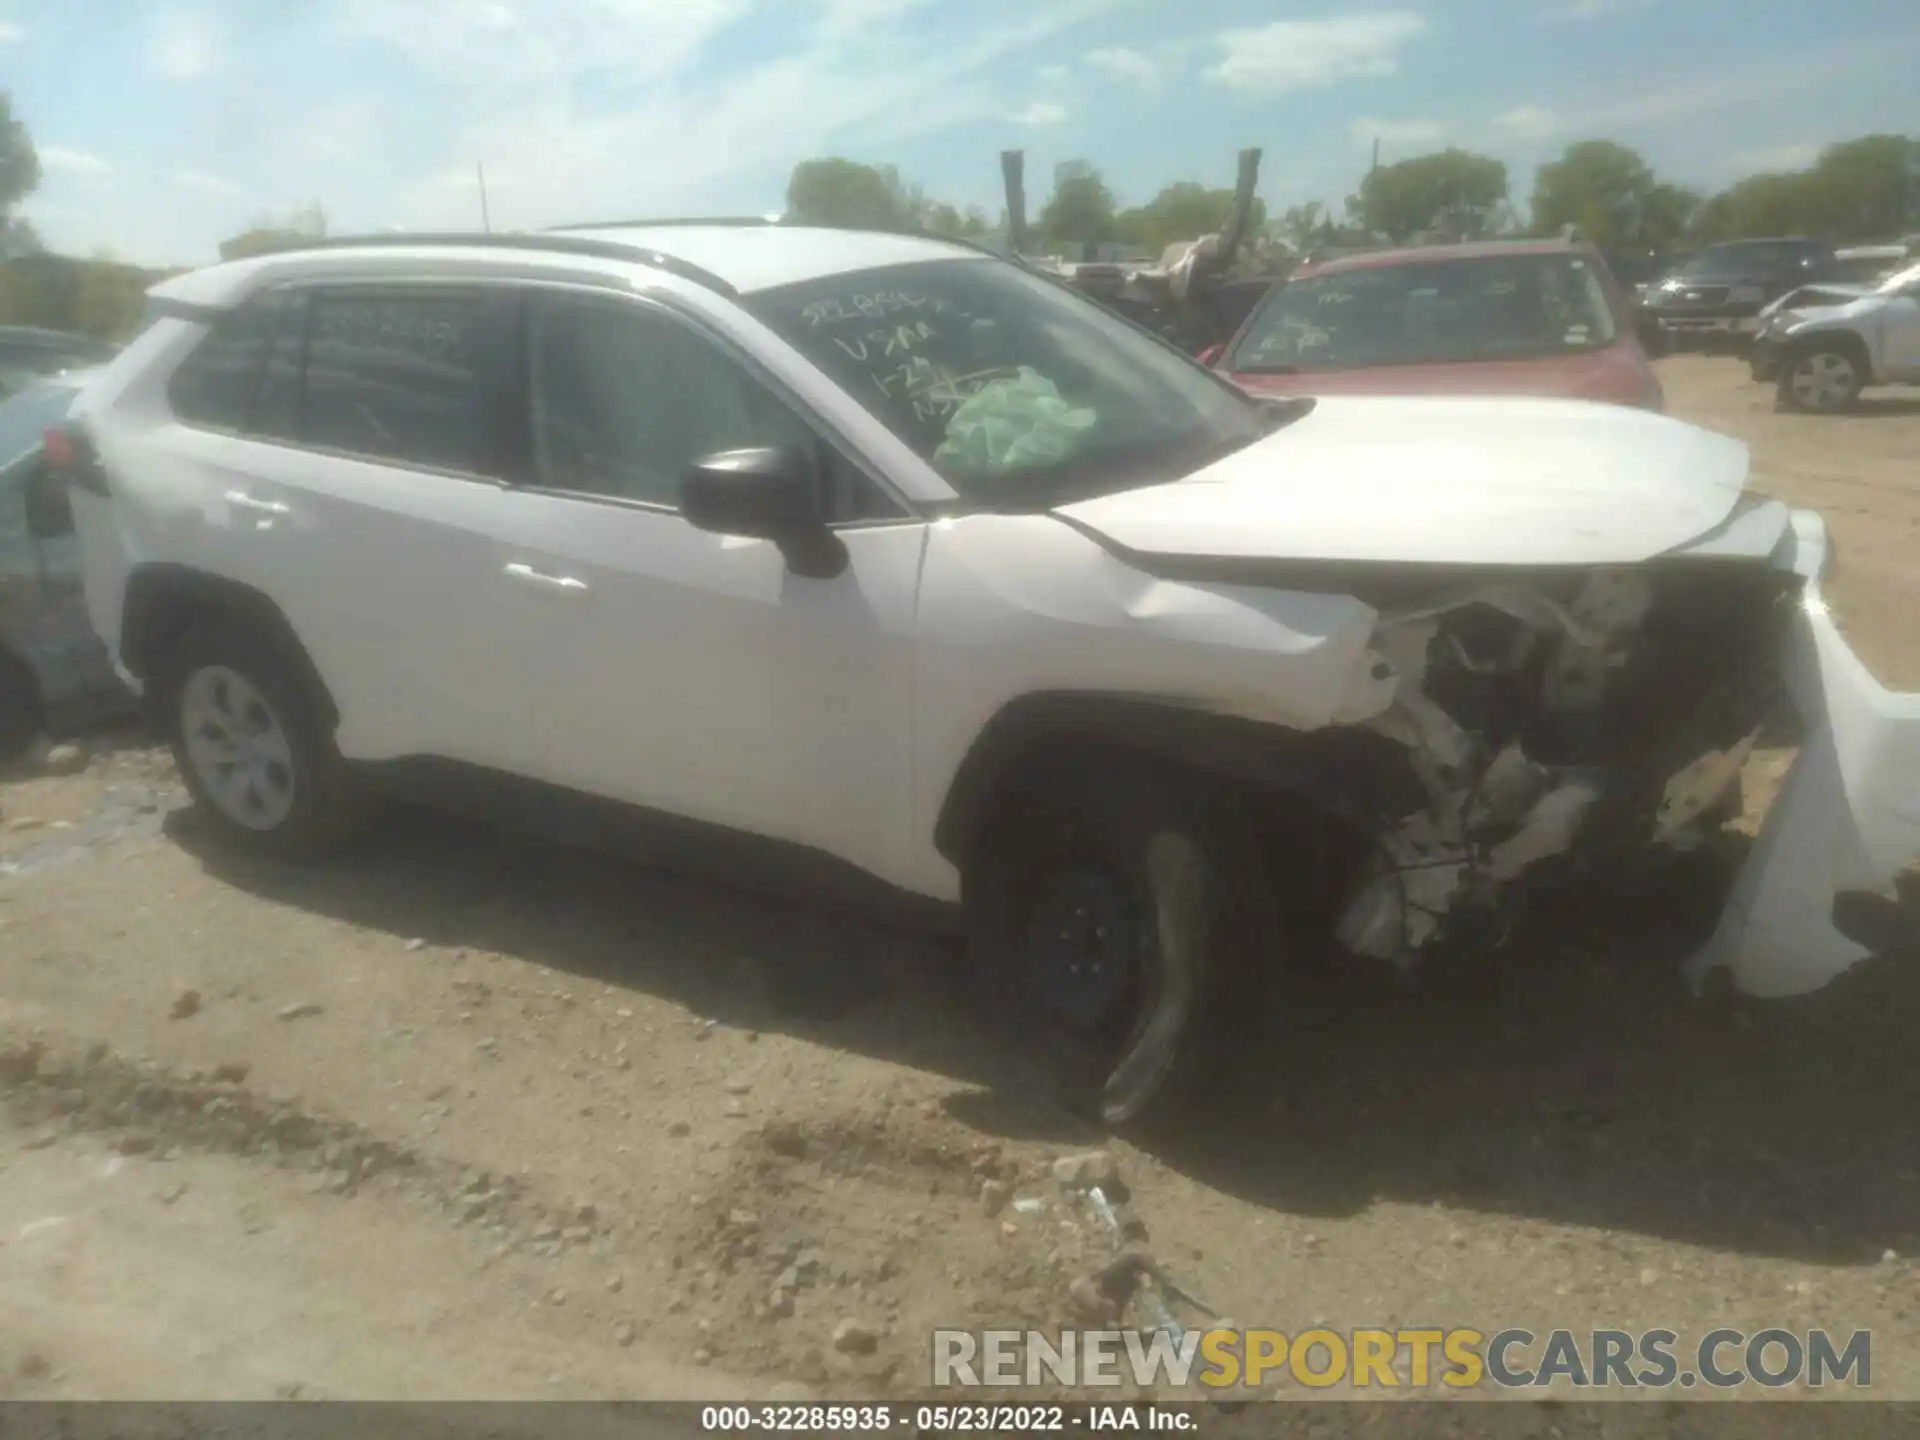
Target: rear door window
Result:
[395, 376]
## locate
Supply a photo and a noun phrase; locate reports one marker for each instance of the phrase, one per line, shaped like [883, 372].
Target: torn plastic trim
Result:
[1847, 816]
[1490, 816]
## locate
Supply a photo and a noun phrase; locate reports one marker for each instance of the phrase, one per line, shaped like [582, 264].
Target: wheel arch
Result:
[163, 600]
[1846, 341]
[1348, 774]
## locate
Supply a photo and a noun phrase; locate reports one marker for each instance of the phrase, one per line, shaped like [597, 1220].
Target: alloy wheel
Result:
[238, 747]
[1823, 381]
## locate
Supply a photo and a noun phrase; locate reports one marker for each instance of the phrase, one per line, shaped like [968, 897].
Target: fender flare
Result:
[162, 600]
[1350, 773]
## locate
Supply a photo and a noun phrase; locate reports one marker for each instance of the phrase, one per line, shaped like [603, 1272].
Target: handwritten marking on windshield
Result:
[898, 341]
[878, 305]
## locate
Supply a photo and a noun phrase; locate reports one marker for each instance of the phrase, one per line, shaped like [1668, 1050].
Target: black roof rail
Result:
[582, 245]
[742, 221]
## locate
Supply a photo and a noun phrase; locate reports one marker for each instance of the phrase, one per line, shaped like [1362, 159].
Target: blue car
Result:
[54, 672]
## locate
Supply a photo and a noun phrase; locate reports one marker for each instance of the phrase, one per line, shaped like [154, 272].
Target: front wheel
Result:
[1118, 924]
[252, 747]
[1821, 381]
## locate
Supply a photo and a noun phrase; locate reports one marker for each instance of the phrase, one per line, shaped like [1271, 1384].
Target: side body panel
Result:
[1018, 605]
[695, 674]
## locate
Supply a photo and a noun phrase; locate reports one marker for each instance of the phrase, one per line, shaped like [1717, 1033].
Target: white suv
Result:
[924, 570]
[1824, 344]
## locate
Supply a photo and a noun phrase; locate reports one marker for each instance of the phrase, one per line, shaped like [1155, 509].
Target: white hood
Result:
[1493, 481]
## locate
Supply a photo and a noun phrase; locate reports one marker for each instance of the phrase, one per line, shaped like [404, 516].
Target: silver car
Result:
[54, 672]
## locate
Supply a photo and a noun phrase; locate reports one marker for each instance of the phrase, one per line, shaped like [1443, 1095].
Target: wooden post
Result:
[1013, 168]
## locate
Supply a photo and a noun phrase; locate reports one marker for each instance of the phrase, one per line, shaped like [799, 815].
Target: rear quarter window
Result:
[214, 387]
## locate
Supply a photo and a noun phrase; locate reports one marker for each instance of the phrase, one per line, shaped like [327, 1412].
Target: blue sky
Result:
[166, 126]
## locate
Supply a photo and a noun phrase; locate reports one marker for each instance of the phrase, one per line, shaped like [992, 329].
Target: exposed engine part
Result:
[1694, 791]
[1520, 712]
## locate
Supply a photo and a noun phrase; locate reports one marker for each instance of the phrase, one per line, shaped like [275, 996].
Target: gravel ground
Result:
[462, 1115]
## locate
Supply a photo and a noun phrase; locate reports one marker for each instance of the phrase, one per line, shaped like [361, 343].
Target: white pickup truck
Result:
[1823, 344]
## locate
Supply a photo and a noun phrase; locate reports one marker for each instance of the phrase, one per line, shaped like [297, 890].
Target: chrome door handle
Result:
[240, 500]
[527, 575]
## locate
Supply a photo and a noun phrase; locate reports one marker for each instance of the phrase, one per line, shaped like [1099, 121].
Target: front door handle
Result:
[527, 575]
[240, 500]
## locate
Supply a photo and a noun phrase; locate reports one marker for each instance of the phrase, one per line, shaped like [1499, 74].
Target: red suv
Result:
[1513, 317]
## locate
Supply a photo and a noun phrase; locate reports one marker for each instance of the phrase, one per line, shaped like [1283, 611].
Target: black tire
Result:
[326, 807]
[1821, 379]
[1119, 917]
[20, 711]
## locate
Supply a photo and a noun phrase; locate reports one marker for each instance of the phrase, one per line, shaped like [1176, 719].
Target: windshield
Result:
[1496, 307]
[1752, 257]
[1015, 390]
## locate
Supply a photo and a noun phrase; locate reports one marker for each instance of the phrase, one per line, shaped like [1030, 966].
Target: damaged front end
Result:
[1564, 722]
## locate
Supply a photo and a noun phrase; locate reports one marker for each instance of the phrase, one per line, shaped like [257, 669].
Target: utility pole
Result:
[486, 220]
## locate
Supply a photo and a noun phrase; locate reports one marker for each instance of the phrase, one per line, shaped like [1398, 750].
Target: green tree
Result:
[268, 234]
[1184, 210]
[1081, 209]
[831, 190]
[1451, 194]
[19, 164]
[109, 298]
[19, 178]
[1301, 227]
[943, 219]
[1612, 194]
[1780, 202]
[1867, 189]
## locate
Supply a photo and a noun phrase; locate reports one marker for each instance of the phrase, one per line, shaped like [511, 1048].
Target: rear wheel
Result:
[250, 743]
[1821, 381]
[1117, 923]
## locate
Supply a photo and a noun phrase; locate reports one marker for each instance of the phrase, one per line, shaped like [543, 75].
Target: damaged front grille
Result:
[1569, 716]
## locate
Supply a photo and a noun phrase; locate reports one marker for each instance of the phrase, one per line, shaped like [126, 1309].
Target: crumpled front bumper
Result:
[1847, 817]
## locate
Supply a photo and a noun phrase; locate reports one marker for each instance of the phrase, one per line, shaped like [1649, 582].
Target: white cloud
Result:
[183, 46]
[1366, 130]
[1123, 64]
[1040, 112]
[1311, 54]
[342, 130]
[678, 139]
[1054, 74]
[1780, 157]
[10, 33]
[514, 50]
[854, 18]
[65, 160]
[1527, 122]
[201, 181]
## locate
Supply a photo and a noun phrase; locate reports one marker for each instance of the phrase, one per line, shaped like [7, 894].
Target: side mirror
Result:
[1211, 355]
[765, 493]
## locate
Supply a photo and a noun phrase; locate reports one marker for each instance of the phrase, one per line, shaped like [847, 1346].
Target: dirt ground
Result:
[463, 1115]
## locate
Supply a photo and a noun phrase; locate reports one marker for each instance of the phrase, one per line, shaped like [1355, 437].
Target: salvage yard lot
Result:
[500, 1119]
